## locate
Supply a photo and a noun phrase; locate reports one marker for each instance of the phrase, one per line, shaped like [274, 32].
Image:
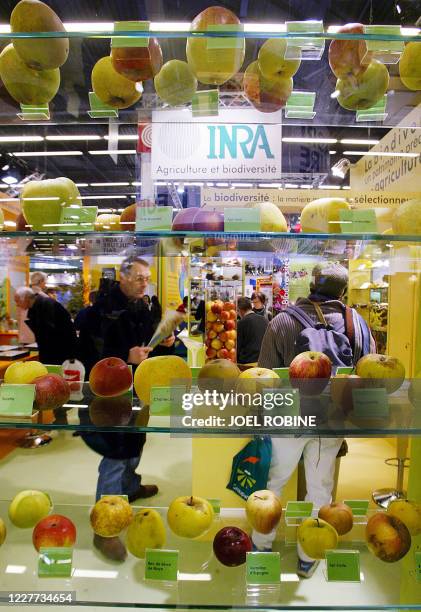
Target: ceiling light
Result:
[109, 184]
[47, 153]
[74, 137]
[137, 183]
[82, 184]
[117, 152]
[332, 152]
[309, 140]
[122, 137]
[291, 186]
[10, 180]
[268, 185]
[21, 138]
[358, 141]
[381, 153]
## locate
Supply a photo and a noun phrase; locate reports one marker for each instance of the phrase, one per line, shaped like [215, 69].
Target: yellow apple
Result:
[363, 91]
[29, 507]
[272, 61]
[43, 201]
[162, 371]
[316, 536]
[147, 530]
[408, 512]
[381, 371]
[24, 372]
[190, 516]
[3, 531]
[410, 66]
[271, 218]
[267, 95]
[175, 83]
[407, 218]
[111, 87]
[263, 510]
[255, 380]
[107, 222]
[219, 374]
[110, 515]
[322, 216]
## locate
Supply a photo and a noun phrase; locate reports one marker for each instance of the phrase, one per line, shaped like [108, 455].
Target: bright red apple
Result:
[208, 221]
[229, 325]
[217, 306]
[51, 391]
[223, 353]
[229, 306]
[231, 546]
[110, 377]
[138, 63]
[225, 315]
[54, 530]
[310, 372]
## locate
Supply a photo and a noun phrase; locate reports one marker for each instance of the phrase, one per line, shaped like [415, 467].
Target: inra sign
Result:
[225, 140]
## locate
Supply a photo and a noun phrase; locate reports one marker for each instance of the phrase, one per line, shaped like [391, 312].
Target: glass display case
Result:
[236, 150]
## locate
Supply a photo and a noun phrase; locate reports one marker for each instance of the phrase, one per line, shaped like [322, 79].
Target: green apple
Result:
[271, 218]
[25, 85]
[111, 87]
[410, 66]
[272, 61]
[29, 507]
[147, 530]
[323, 215]
[43, 201]
[175, 83]
[267, 95]
[363, 91]
[190, 516]
[24, 372]
[214, 66]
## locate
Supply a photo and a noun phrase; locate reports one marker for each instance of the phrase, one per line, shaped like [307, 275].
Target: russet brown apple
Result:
[138, 63]
[338, 515]
[51, 391]
[346, 56]
[387, 537]
[110, 515]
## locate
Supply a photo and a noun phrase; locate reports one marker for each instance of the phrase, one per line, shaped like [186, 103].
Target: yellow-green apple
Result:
[175, 84]
[410, 66]
[216, 344]
[338, 515]
[160, 371]
[24, 372]
[28, 507]
[272, 61]
[112, 88]
[128, 218]
[25, 85]
[54, 530]
[346, 56]
[190, 516]
[211, 63]
[263, 510]
[255, 380]
[271, 218]
[218, 374]
[147, 530]
[341, 387]
[310, 372]
[407, 219]
[316, 536]
[110, 515]
[381, 371]
[387, 537]
[363, 91]
[322, 215]
[110, 411]
[38, 53]
[43, 201]
[409, 512]
[138, 63]
[267, 95]
[3, 531]
[51, 391]
[110, 377]
[231, 545]
[107, 222]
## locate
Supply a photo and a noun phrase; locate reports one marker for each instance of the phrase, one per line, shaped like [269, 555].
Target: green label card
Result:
[242, 219]
[263, 568]
[55, 562]
[370, 403]
[99, 110]
[344, 370]
[298, 509]
[205, 103]
[161, 564]
[282, 373]
[54, 369]
[216, 505]
[78, 218]
[359, 507]
[194, 372]
[160, 400]
[343, 565]
[16, 400]
[39, 112]
[154, 218]
[358, 221]
[123, 496]
[387, 51]
[300, 105]
[418, 566]
[232, 40]
[132, 41]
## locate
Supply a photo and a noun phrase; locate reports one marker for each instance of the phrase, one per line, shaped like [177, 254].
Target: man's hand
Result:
[168, 341]
[137, 354]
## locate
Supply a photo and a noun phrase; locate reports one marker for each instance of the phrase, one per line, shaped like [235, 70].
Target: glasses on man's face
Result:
[144, 280]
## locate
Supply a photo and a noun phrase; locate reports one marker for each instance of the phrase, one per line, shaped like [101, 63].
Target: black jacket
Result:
[250, 332]
[53, 329]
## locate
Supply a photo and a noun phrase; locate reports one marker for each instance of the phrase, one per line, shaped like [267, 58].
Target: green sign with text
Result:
[161, 564]
[55, 562]
[241, 219]
[154, 218]
[359, 507]
[298, 509]
[343, 565]
[263, 568]
[16, 400]
[370, 403]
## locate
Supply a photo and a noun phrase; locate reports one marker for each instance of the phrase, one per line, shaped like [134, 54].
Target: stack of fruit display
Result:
[30, 67]
[51, 390]
[221, 330]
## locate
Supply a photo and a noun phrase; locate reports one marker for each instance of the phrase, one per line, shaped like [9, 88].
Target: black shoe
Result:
[143, 492]
[112, 548]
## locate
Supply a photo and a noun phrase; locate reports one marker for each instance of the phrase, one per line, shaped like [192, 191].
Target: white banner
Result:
[216, 148]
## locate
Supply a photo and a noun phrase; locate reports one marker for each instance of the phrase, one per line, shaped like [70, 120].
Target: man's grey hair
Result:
[23, 293]
[126, 264]
[37, 278]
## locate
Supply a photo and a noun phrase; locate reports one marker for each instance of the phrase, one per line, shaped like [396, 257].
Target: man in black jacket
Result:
[250, 331]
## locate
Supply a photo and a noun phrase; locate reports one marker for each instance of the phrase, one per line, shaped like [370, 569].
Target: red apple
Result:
[231, 546]
[338, 515]
[310, 372]
[345, 56]
[233, 355]
[183, 220]
[387, 537]
[211, 353]
[208, 221]
[229, 325]
[233, 315]
[229, 306]
[223, 336]
[216, 307]
[225, 315]
[263, 510]
[51, 391]
[110, 377]
[138, 63]
[223, 353]
[54, 530]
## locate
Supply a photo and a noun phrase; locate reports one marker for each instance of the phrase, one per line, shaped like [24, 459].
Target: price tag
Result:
[54, 369]
[16, 400]
[154, 218]
[78, 218]
[343, 565]
[359, 507]
[131, 41]
[242, 219]
[418, 566]
[358, 221]
[300, 105]
[344, 370]
[194, 372]
[374, 113]
[160, 401]
[370, 403]
[283, 373]
[99, 110]
[263, 568]
[298, 509]
[216, 505]
[161, 564]
[386, 51]
[232, 40]
[205, 103]
[55, 562]
[38, 112]
[305, 48]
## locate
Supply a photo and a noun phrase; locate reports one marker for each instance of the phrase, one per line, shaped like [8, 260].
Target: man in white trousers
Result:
[278, 350]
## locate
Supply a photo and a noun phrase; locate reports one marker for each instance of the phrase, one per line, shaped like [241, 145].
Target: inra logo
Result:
[225, 140]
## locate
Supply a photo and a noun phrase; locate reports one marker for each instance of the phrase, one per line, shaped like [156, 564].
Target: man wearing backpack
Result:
[323, 323]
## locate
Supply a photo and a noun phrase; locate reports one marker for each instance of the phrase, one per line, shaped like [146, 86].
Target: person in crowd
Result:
[278, 350]
[250, 331]
[25, 335]
[51, 325]
[200, 315]
[147, 301]
[258, 300]
[120, 324]
[38, 283]
[184, 305]
[51, 292]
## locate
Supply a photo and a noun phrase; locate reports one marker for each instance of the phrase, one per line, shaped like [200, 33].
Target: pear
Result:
[43, 201]
[410, 66]
[111, 87]
[147, 530]
[25, 85]
[38, 53]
